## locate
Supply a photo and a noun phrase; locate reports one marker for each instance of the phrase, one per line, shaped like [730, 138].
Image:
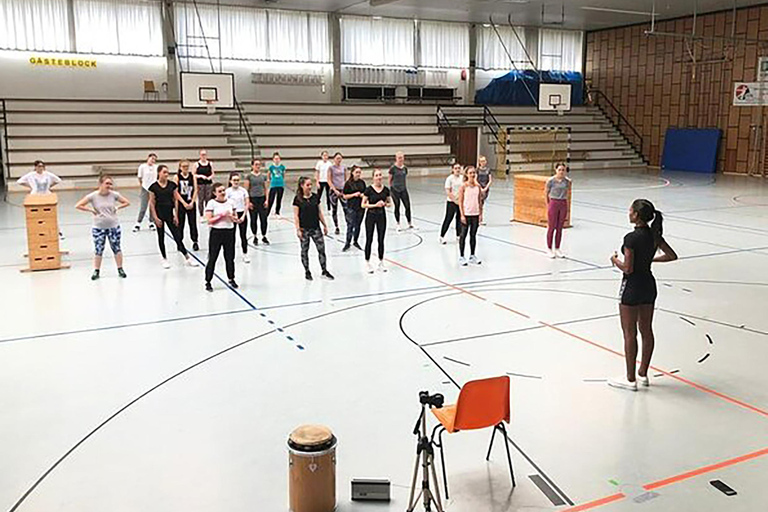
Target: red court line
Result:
[706, 469]
[701, 388]
[596, 503]
[671, 480]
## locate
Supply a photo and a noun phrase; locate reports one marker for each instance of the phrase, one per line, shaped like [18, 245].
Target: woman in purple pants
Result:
[557, 189]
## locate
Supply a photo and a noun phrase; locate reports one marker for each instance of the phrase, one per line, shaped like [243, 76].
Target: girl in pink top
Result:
[469, 207]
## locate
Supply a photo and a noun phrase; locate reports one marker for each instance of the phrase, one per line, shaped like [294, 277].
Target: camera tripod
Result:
[425, 457]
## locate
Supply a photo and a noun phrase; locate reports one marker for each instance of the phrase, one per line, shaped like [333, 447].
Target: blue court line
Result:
[124, 326]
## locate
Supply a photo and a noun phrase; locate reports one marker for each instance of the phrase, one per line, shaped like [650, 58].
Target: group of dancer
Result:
[173, 202]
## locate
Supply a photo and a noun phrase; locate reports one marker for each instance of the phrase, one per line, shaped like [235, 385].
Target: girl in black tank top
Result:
[204, 171]
[186, 207]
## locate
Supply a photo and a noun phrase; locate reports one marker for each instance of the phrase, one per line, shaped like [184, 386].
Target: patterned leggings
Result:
[100, 237]
[315, 235]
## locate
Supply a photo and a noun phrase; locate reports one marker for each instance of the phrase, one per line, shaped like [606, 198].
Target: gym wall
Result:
[651, 80]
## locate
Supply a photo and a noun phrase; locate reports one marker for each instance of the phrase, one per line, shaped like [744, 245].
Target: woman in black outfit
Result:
[221, 217]
[638, 288]
[163, 199]
[205, 176]
[353, 209]
[375, 199]
[187, 183]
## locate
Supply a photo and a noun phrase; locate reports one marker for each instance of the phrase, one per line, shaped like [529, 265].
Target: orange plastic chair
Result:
[482, 403]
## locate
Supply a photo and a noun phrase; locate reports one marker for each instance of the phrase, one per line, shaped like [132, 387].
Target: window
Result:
[252, 34]
[34, 25]
[444, 45]
[377, 41]
[491, 53]
[121, 28]
[560, 50]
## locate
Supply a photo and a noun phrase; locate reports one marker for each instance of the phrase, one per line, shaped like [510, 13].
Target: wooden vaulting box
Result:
[530, 200]
[43, 232]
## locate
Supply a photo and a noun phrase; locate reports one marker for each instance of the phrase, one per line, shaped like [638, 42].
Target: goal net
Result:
[537, 148]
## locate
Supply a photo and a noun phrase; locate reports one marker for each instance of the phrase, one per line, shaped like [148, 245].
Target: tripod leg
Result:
[509, 457]
[442, 462]
[437, 501]
[412, 502]
[488, 456]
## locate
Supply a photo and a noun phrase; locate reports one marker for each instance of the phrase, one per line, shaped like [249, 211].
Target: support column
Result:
[470, 89]
[169, 50]
[335, 32]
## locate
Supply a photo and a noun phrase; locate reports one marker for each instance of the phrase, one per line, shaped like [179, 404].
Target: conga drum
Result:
[312, 469]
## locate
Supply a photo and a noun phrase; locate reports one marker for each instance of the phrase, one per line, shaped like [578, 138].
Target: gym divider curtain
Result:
[560, 50]
[490, 51]
[119, 28]
[377, 41]
[34, 25]
[444, 45]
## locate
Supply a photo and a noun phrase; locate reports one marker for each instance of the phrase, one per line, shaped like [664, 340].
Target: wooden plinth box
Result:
[43, 232]
[530, 200]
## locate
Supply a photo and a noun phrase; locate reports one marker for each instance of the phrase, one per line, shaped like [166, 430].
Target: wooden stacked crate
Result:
[530, 200]
[43, 232]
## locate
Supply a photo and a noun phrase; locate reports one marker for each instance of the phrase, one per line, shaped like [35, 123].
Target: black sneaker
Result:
[121, 273]
[255, 240]
[95, 275]
[345, 248]
[233, 284]
[195, 246]
[357, 246]
[308, 275]
[328, 275]
[266, 242]
[208, 287]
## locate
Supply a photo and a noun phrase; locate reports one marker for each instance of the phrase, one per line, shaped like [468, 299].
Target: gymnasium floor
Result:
[151, 394]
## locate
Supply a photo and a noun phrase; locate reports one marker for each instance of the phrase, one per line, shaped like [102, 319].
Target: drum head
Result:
[311, 438]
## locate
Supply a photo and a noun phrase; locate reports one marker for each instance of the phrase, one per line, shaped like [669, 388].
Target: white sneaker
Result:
[483, 223]
[551, 254]
[61, 236]
[462, 261]
[246, 258]
[190, 262]
[136, 228]
[622, 383]
[414, 228]
[398, 228]
[382, 268]
[442, 241]
[644, 381]
[474, 260]
[369, 267]
[152, 226]
[166, 265]
[559, 254]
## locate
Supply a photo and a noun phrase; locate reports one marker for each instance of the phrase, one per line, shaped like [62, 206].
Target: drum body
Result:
[312, 469]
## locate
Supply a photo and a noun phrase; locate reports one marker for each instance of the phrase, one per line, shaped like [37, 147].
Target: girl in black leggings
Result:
[638, 288]
[163, 201]
[375, 199]
[221, 217]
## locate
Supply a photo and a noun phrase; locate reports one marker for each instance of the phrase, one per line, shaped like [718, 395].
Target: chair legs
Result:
[503, 430]
[439, 444]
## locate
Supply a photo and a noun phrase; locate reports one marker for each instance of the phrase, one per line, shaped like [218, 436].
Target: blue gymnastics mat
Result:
[691, 149]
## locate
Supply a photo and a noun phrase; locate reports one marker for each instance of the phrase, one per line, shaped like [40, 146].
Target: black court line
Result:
[178, 374]
[687, 321]
[513, 244]
[456, 384]
[125, 326]
[456, 361]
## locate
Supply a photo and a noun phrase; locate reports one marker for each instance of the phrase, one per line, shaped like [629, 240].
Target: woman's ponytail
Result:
[651, 216]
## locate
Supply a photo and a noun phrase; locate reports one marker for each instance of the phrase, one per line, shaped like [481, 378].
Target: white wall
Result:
[115, 77]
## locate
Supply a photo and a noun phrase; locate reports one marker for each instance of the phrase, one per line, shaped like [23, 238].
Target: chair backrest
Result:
[149, 86]
[483, 403]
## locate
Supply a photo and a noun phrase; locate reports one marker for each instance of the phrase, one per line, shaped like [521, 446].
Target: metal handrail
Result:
[617, 118]
[5, 166]
[243, 125]
[489, 120]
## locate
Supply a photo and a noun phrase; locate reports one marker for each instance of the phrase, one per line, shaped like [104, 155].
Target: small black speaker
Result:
[364, 489]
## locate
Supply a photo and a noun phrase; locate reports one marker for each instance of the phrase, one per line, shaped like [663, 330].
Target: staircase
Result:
[596, 143]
